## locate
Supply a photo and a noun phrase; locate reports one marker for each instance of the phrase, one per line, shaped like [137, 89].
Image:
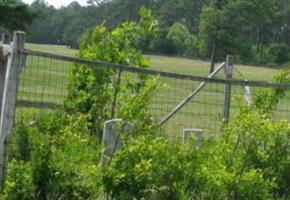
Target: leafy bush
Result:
[227, 167]
[266, 100]
[272, 55]
[19, 183]
[59, 147]
[185, 43]
[147, 167]
[262, 144]
[278, 53]
[92, 91]
[154, 168]
[160, 43]
[54, 157]
[60, 163]
[249, 161]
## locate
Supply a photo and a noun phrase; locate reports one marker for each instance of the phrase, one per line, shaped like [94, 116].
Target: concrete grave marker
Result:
[197, 133]
[112, 138]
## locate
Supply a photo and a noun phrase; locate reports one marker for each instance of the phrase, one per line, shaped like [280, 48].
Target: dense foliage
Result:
[15, 15]
[250, 160]
[55, 157]
[93, 90]
[51, 160]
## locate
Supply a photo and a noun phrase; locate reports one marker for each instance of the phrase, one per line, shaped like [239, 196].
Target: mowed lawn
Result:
[174, 64]
[45, 80]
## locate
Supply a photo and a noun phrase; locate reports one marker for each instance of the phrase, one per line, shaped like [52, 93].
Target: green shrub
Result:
[184, 42]
[266, 100]
[60, 148]
[62, 163]
[75, 167]
[92, 90]
[272, 55]
[147, 167]
[19, 183]
[160, 44]
[154, 168]
[249, 161]
[21, 150]
[278, 53]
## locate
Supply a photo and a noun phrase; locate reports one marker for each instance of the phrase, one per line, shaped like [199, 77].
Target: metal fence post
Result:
[16, 62]
[228, 70]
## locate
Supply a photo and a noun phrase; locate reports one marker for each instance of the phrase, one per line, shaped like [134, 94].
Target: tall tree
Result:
[64, 25]
[226, 25]
[210, 30]
[255, 16]
[15, 15]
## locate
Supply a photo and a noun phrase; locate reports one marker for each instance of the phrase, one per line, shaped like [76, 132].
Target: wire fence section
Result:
[44, 84]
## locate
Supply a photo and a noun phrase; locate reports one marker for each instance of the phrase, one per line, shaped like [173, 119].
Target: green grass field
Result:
[45, 80]
[173, 64]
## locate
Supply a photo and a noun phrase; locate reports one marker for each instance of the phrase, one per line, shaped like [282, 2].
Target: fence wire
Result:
[44, 84]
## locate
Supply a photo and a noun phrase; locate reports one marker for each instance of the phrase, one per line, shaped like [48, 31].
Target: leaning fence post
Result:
[228, 70]
[16, 62]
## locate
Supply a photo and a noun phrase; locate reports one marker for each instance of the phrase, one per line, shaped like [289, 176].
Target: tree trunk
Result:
[212, 57]
[261, 48]
[258, 51]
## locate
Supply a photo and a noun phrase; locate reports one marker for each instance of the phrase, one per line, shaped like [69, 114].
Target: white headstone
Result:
[197, 133]
[111, 140]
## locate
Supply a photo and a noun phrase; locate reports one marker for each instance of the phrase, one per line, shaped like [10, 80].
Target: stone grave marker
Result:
[197, 133]
[111, 140]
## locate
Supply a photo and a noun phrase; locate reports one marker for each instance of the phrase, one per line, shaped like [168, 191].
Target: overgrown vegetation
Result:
[55, 155]
[54, 158]
[249, 160]
[51, 160]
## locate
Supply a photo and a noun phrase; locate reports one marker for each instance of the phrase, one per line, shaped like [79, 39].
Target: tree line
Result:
[255, 31]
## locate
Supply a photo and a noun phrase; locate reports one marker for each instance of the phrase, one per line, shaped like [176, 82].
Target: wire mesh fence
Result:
[43, 87]
[44, 83]
[41, 81]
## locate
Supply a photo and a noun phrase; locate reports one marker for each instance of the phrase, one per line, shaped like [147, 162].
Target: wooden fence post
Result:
[15, 64]
[228, 70]
[5, 50]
